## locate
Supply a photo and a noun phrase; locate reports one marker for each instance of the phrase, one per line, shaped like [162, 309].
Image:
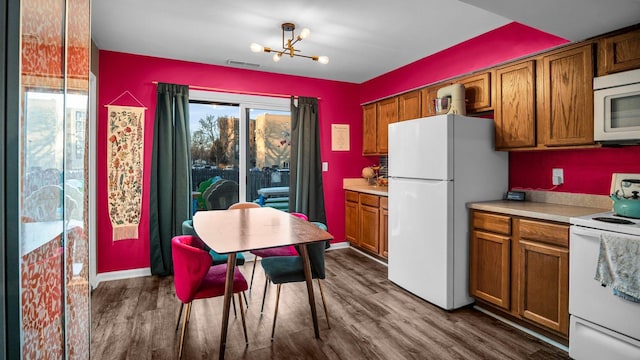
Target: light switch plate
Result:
[616, 183]
[325, 166]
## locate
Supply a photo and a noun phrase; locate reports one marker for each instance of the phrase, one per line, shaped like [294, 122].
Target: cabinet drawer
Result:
[491, 222]
[369, 200]
[351, 196]
[555, 234]
[384, 202]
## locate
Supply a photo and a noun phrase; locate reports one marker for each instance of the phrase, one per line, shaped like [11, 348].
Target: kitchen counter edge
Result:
[536, 210]
[368, 189]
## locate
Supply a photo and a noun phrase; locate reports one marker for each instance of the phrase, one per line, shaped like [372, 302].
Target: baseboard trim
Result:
[367, 255]
[522, 328]
[122, 274]
[338, 245]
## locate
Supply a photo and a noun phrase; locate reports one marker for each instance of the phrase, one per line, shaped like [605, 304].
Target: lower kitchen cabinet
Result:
[520, 266]
[369, 217]
[351, 217]
[544, 274]
[366, 219]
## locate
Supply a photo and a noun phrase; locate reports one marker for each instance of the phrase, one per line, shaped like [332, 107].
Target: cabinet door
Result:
[477, 90]
[515, 114]
[565, 112]
[351, 219]
[619, 53]
[369, 133]
[369, 228]
[387, 114]
[384, 227]
[490, 268]
[544, 285]
[409, 106]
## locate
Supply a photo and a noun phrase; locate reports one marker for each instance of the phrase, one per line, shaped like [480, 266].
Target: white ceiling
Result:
[362, 38]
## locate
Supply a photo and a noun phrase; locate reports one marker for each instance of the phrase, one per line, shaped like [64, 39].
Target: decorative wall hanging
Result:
[125, 149]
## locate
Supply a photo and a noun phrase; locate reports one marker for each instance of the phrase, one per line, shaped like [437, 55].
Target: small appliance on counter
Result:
[625, 190]
[451, 100]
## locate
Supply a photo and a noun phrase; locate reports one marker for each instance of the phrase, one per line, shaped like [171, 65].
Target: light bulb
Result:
[276, 57]
[256, 47]
[304, 33]
[323, 59]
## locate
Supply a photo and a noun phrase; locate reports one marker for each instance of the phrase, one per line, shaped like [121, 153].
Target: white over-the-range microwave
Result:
[616, 115]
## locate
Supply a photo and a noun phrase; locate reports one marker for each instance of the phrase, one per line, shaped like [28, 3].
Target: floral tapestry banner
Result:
[125, 149]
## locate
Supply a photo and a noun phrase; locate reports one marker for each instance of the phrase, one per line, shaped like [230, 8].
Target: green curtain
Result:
[305, 189]
[170, 199]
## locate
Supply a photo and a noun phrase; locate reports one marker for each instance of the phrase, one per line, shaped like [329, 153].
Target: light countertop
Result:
[360, 185]
[537, 210]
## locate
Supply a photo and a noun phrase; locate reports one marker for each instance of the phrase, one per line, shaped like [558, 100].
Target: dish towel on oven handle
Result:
[619, 265]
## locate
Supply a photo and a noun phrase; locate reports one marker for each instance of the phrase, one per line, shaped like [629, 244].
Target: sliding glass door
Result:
[241, 139]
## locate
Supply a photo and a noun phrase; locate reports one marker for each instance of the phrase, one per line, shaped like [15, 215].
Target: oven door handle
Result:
[579, 230]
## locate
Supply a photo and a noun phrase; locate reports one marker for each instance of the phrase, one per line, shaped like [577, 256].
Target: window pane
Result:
[270, 151]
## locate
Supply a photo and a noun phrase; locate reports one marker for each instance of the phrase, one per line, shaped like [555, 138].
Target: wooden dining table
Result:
[232, 231]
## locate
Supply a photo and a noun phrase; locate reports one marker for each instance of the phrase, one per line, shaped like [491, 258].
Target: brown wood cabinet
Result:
[351, 217]
[375, 120]
[565, 97]
[520, 266]
[409, 105]
[619, 52]
[544, 274]
[478, 91]
[369, 220]
[366, 222]
[384, 227]
[387, 114]
[489, 263]
[515, 111]
[369, 129]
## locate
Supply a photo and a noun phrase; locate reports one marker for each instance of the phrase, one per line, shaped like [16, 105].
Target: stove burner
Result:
[614, 220]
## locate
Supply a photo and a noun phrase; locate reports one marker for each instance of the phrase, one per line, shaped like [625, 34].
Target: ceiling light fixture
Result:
[288, 46]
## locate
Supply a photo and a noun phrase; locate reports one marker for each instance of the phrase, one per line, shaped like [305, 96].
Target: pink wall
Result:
[120, 72]
[506, 43]
[586, 171]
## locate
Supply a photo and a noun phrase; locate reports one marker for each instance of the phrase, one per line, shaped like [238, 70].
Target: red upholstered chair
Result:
[195, 278]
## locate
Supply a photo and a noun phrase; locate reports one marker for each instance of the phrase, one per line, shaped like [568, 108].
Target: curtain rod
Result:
[197, 87]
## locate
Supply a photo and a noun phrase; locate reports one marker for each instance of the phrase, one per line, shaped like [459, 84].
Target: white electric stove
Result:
[602, 325]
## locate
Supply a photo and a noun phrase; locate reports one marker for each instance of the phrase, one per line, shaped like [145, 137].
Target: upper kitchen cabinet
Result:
[376, 118]
[387, 113]
[409, 105]
[565, 97]
[369, 130]
[514, 110]
[477, 90]
[619, 53]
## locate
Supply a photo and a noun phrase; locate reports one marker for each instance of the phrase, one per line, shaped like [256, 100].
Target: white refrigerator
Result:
[437, 165]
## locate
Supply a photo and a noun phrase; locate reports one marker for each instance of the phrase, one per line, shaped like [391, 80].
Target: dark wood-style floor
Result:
[371, 318]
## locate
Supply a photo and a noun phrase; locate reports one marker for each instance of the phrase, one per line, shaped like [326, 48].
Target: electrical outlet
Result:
[557, 176]
[325, 166]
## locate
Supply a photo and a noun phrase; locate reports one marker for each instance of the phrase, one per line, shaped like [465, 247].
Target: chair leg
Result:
[184, 329]
[255, 260]
[233, 301]
[179, 315]
[324, 303]
[244, 293]
[244, 324]
[275, 316]
[264, 294]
